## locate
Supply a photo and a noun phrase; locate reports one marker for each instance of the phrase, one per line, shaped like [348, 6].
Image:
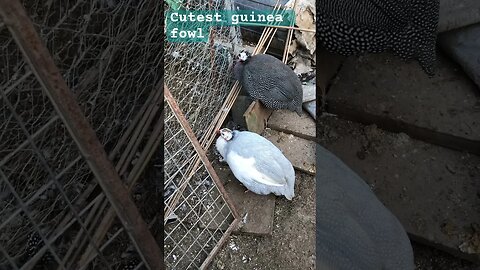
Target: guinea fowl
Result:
[406, 27]
[354, 229]
[258, 164]
[269, 80]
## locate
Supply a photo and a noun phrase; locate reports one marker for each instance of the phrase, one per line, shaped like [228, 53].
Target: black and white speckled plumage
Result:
[34, 244]
[269, 80]
[131, 263]
[405, 27]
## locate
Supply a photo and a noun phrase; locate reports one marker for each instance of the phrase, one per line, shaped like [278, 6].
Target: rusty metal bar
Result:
[123, 140]
[106, 223]
[216, 249]
[201, 152]
[62, 98]
[140, 122]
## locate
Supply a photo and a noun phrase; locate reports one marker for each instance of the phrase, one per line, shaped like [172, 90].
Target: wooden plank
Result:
[256, 117]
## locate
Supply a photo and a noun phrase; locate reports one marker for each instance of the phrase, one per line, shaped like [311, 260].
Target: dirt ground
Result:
[427, 258]
[292, 243]
[373, 141]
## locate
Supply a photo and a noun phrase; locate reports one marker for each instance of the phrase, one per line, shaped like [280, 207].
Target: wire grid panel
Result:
[197, 216]
[42, 181]
[46, 187]
[199, 74]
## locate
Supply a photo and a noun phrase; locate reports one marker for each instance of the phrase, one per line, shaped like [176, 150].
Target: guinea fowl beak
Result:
[217, 131]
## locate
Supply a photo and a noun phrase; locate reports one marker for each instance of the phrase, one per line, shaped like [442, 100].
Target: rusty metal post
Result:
[202, 155]
[62, 98]
[199, 149]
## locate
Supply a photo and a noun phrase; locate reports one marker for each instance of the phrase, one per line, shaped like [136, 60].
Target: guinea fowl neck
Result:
[221, 146]
[238, 70]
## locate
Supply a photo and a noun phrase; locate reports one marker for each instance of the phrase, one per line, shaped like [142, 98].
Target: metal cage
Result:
[79, 79]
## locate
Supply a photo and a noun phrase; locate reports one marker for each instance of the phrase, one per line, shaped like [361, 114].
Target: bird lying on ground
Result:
[257, 163]
[405, 27]
[269, 80]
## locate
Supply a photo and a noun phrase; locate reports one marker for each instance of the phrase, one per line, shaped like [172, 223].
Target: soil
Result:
[427, 258]
[292, 243]
[342, 136]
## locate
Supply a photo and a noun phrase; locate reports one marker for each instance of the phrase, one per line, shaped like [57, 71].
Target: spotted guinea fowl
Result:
[405, 27]
[258, 164]
[269, 80]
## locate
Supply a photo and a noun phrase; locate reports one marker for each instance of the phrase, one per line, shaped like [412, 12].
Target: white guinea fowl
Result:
[257, 163]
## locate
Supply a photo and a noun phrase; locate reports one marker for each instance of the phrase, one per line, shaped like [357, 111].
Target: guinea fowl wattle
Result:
[269, 80]
[257, 163]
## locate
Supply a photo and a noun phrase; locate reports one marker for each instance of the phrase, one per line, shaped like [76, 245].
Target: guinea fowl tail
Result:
[290, 191]
[299, 112]
[297, 109]
[418, 39]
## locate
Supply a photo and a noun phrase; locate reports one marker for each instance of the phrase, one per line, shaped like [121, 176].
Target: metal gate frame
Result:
[202, 159]
[48, 75]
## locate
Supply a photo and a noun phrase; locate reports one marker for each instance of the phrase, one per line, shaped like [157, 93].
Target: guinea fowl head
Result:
[226, 134]
[222, 144]
[243, 58]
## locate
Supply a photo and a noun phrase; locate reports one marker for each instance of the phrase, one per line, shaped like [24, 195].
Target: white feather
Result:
[247, 166]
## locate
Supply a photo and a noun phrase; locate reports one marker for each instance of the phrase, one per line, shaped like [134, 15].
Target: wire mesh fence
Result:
[198, 217]
[52, 212]
[199, 74]
[198, 213]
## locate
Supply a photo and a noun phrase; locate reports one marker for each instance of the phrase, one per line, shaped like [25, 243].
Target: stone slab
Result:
[311, 108]
[257, 211]
[463, 46]
[309, 91]
[300, 152]
[456, 14]
[433, 191]
[400, 97]
[289, 122]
